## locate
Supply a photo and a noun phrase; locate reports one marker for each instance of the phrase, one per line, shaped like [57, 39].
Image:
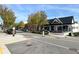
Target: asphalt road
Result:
[45, 45]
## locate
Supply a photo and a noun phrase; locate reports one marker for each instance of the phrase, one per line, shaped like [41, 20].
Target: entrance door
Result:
[52, 28]
[55, 28]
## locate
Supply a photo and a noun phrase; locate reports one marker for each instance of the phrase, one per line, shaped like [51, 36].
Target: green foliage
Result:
[40, 32]
[76, 34]
[21, 24]
[37, 20]
[7, 16]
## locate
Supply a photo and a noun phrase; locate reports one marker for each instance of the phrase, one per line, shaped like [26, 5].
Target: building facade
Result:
[64, 24]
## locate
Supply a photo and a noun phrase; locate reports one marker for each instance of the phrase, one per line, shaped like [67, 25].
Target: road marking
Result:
[65, 40]
[1, 50]
[51, 44]
[68, 48]
[59, 39]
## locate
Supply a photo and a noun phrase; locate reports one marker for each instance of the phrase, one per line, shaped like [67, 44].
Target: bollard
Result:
[43, 34]
[49, 32]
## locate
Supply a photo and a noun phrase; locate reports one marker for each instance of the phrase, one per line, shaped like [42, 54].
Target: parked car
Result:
[25, 30]
[9, 31]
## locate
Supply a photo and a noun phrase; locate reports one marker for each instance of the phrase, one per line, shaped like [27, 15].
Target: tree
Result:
[37, 20]
[21, 25]
[7, 16]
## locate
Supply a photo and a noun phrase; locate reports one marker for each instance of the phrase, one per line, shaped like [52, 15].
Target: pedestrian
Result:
[13, 32]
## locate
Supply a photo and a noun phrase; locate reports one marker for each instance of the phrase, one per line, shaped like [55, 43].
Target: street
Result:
[45, 45]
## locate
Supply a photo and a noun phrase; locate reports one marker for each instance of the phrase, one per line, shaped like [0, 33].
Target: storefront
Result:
[63, 24]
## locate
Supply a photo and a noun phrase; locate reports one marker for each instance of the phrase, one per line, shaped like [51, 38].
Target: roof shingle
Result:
[64, 20]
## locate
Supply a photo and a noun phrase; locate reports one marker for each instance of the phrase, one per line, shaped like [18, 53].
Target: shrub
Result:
[70, 34]
[40, 32]
[76, 34]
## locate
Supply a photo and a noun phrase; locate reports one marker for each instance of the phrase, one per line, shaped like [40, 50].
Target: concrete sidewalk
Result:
[7, 39]
[4, 49]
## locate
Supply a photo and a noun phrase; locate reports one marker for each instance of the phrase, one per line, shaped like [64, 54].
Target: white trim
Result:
[72, 21]
[57, 20]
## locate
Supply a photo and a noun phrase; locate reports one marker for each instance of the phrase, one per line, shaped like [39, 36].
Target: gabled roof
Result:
[56, 21]
[64, 20]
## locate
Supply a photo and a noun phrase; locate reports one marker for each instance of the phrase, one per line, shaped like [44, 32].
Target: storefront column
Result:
[68, 28]
[62, 28]
[56, 28]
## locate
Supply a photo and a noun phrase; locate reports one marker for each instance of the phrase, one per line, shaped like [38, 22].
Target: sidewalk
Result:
[57, 35]
[4, 49]
[7, 39]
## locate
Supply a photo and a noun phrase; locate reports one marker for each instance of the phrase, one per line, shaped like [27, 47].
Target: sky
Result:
[22, 11]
